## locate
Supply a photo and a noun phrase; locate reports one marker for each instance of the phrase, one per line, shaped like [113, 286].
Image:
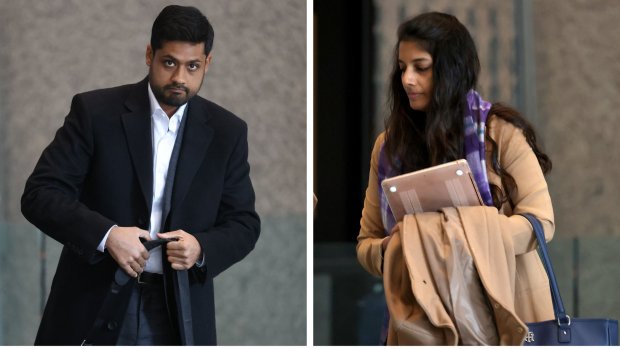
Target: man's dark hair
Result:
[181, 23]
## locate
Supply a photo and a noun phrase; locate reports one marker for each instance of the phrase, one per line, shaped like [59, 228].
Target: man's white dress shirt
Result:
[164, 132]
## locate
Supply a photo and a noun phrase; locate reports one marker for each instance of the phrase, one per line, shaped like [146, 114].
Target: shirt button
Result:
[496, 305]
[112, 325]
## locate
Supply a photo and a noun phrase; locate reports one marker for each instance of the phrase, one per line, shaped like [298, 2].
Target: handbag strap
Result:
[558, 305]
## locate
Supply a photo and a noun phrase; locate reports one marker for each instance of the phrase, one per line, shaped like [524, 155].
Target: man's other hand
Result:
[184, 253]
[127, 250]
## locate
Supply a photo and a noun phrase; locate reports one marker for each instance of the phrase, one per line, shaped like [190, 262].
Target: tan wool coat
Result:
[531, 299]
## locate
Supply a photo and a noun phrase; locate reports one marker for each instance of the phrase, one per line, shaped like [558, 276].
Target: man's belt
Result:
[150, 279]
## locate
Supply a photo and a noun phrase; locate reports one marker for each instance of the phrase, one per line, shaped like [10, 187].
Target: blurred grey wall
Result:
[578, 83]
[53, 49]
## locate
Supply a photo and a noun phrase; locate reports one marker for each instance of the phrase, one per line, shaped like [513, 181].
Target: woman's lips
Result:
[413, 95]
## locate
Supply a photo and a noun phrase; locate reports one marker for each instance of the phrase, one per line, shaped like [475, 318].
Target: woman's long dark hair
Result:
[416, 139]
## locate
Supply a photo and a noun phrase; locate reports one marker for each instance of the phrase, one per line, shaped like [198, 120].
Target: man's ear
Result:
[208, 61]
[149, 55]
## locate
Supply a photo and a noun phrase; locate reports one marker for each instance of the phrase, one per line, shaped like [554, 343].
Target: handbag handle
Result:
[558, 305]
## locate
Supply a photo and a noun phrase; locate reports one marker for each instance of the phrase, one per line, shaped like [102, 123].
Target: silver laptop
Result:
[448, 185]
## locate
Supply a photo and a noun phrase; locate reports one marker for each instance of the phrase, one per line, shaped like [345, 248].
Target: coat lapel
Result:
[197, 135]
[196, 139]
[137, 126]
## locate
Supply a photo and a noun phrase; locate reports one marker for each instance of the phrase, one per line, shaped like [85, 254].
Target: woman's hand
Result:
[386, 240]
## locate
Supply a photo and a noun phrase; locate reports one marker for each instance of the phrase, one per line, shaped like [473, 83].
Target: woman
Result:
[436, 117]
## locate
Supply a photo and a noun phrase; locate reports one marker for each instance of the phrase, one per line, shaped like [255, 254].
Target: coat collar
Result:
[137, 127]
[197, 137]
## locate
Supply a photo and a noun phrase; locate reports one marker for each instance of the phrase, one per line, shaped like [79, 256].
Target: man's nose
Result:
[179, 77]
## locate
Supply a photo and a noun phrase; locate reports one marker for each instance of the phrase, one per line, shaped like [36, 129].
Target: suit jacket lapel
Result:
[137, 126]
[196, 139]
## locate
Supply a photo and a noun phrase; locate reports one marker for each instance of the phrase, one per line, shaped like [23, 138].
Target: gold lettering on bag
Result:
[530, 337]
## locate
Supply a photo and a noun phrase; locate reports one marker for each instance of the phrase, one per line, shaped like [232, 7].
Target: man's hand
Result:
[127, 250]
[184, 253]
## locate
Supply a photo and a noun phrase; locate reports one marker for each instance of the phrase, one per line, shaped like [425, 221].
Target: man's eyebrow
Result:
[194, 60]
[169, 57]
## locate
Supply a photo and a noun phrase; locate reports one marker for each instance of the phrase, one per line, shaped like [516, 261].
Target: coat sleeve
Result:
[238, 225]
[51, 196]
[372, 233]
[532, 196]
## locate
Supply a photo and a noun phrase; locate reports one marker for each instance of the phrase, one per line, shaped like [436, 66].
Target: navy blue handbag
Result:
[565, 330]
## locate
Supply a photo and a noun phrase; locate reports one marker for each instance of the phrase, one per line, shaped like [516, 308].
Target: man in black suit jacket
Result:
[113, 178]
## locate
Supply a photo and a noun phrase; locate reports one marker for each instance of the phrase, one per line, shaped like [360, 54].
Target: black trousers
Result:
[147, 321]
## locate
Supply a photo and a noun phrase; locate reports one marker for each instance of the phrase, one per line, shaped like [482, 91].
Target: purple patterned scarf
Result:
[474, 126]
